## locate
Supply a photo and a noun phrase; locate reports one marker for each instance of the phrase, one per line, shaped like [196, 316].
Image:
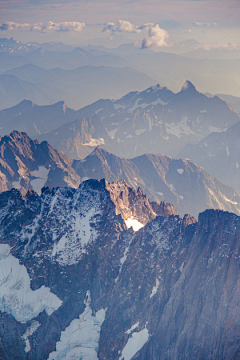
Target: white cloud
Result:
[63, 26]
[157, 37]
[8, 26]
[50, 26]
[124, 26]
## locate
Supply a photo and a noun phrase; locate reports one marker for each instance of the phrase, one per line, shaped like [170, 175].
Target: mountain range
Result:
[167, 68]
[79, 87]
[155, 120]
[26, 164]
[76, 283]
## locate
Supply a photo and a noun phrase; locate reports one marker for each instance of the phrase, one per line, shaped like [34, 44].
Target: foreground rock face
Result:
[75, 283]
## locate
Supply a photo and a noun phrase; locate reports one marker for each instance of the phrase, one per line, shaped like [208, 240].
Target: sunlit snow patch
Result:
[131, 222]
[16, 296]
[80, 339]
[41, 178]
[180, 171]
[134, 344]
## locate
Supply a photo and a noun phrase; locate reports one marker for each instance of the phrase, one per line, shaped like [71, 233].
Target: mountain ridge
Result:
[25, 163]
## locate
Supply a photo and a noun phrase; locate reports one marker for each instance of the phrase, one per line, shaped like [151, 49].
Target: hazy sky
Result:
[210, 22]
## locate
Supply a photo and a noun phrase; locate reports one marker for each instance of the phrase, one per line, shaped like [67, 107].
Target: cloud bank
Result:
[50, 26]
[9, 26]
[157, 37]
[124, 26]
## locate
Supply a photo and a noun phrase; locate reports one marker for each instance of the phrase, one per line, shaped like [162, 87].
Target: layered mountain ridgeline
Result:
[166, 68]
[72, 270]
[152, 121]
[79, 87]
[180, 182]
[27, 164]
[219, 153]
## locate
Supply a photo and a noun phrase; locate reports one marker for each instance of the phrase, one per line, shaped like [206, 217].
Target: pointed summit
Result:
[188, 86]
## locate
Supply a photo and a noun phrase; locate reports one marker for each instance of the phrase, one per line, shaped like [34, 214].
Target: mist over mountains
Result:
[127, 66]
[119, 198]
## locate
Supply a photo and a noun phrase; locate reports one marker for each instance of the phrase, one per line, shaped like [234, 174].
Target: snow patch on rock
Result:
[135, 224]
[30, 330]
[154, 289]
[134, 344]
[16, 296]
[95, 142]
[129, 331]
[41, 178]
[180, 128]
[140, 131]
[16, 184]
[180, 171]
[80, 340]
[112, 133]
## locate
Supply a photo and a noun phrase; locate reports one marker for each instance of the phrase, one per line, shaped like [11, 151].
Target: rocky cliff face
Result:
[135, 205]
[24, 164]
[75, 283]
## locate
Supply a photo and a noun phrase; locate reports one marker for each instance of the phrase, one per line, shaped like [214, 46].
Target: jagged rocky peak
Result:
[24, 164]
[188, 86]
[131, 204]
[164, 208]
[134, 206]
